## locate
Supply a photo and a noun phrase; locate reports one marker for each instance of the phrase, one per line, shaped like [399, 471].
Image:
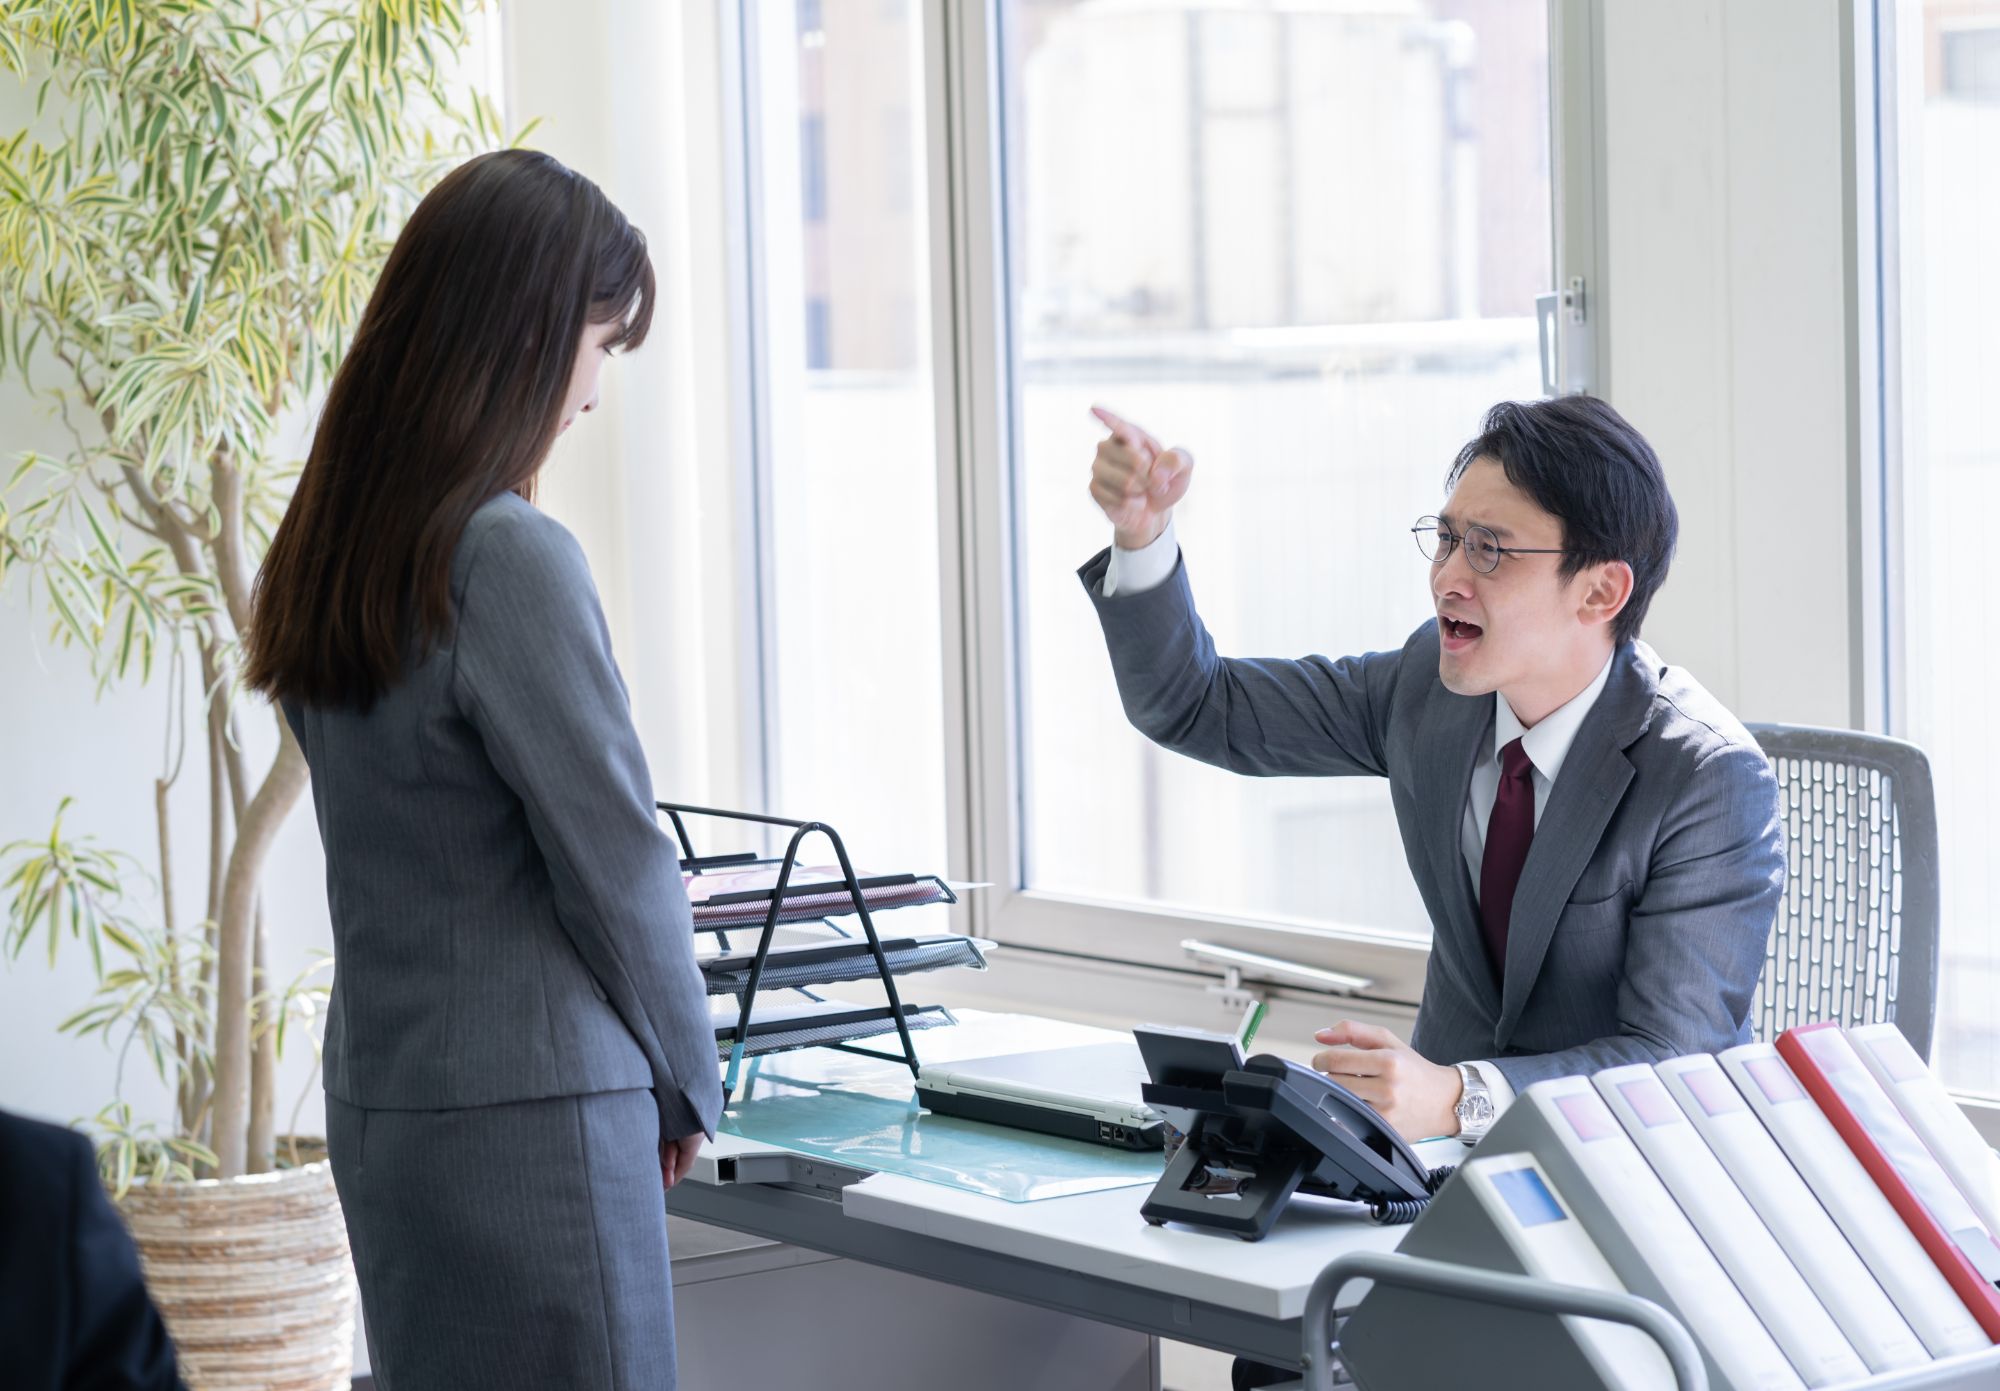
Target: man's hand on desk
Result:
[677, 1157]
[1413, 1094]
[1136, 482]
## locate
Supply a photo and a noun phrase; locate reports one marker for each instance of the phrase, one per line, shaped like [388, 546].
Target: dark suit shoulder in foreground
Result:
[74, 1311]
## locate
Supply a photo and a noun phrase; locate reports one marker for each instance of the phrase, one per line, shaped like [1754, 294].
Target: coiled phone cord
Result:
[1395, 1212]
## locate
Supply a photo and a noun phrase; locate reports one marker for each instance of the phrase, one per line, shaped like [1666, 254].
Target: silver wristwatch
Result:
[1475, 1105]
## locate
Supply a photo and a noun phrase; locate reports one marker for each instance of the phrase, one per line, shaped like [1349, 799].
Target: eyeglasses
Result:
[1483, 550]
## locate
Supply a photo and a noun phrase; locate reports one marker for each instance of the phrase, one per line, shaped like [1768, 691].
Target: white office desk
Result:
[1090, 1255]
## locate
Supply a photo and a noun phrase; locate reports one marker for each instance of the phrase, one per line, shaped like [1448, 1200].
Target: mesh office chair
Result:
[1856, 939]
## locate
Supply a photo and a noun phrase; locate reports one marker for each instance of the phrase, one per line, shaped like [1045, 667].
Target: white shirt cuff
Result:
[1135, 572]
[1497, 1086]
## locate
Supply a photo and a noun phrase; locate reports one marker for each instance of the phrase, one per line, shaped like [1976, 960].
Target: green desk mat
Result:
[864, 1113]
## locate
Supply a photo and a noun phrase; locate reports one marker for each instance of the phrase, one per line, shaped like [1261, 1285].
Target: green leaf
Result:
[69, 619]
[156, 129]
[105, 545]
[72, 1023]
[76, 926]
[193, 1150]
[214, 201]
[340, 65]
[125, 642]
[98, 881]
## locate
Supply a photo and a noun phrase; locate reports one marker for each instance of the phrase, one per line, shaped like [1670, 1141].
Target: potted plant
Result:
[188, 233]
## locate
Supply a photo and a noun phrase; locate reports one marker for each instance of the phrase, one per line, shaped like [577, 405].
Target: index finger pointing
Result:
[1112, 421]
[1127, 433]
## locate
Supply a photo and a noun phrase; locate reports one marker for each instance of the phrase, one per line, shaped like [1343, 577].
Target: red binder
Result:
[1906, 1172]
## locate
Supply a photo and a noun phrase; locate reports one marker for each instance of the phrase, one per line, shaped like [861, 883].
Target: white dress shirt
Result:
[1547, 744]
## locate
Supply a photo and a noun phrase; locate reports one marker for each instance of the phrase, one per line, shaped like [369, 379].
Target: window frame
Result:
[976, 412]
[1884, 52]
[974, 420]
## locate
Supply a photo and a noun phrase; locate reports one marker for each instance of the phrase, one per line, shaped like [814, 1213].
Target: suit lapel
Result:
[1456, 730]
[1587, 792]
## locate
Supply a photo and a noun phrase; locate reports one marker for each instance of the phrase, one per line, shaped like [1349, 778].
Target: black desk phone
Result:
[1264, 1129]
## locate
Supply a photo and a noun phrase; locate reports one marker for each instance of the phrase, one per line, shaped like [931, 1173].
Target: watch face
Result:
[1475, 1110]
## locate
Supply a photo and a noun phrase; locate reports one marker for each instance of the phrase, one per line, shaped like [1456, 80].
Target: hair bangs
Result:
[624, 293]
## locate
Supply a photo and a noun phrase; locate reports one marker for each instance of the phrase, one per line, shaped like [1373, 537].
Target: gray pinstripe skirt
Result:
[522, 1245]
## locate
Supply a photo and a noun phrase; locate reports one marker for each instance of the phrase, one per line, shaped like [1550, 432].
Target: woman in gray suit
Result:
[518, 1052]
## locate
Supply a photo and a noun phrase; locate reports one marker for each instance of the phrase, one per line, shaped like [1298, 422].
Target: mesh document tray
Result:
[738, 899]
[741, 891]
[816, 1023]
[817, 963]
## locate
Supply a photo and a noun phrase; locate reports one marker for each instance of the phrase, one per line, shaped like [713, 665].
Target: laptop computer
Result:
[1087, 1093]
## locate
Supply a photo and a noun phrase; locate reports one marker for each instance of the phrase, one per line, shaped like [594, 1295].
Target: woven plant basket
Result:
[253, 1278]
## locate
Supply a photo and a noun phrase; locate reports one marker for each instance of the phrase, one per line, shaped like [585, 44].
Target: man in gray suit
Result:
[1595, 837]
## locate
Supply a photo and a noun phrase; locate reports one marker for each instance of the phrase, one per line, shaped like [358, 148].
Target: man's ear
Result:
[1607, 589]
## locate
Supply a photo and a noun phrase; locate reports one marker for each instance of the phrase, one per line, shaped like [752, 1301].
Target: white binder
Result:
[1640, 1229]
[1776, 1292]
[1550, 1243]
[1931, 1112]
[1818, 1251]
[1906, 1272]
[1504, 1213]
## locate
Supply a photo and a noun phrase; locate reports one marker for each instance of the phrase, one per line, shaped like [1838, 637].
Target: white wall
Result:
[650, 483]
[1727, 304]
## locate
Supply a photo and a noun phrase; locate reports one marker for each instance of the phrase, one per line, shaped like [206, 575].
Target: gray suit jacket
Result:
[509, 920]
[1640, 922]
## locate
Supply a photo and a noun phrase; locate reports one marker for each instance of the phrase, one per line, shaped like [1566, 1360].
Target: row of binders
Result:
[1815, 1211]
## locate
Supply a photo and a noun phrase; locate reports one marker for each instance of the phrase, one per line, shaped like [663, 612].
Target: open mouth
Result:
[1458, 630]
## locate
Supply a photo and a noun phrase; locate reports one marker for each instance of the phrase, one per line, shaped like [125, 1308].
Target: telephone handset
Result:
[1264, 1129]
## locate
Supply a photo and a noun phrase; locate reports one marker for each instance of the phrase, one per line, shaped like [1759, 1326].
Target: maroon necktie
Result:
[1508, 832]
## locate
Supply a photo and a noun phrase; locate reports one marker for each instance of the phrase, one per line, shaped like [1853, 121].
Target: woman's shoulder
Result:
[510, 540]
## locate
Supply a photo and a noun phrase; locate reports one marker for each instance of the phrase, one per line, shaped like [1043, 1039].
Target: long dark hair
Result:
[450, 395]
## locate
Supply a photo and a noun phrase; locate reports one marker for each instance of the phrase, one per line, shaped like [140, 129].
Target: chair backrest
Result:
[1856, 939]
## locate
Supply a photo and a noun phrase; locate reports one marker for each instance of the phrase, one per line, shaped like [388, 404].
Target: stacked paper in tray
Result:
[742, 898]
[781, 1023]
[1815, 1211]
[827, 963]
